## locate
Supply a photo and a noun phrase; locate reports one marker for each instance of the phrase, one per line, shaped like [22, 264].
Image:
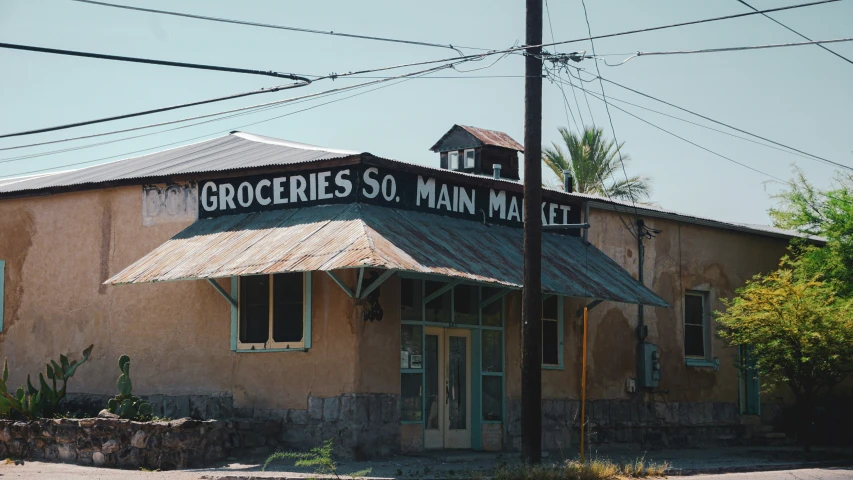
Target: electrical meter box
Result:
[649, 361]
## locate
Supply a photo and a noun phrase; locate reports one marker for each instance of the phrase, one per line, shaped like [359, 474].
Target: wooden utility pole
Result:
[531, 299]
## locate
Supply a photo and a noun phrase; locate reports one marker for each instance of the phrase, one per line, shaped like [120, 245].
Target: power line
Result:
[798, 33]
[566, 108]
[456, 59]
[152, 62]
[214, 133]
[278, 27]
[725, 49]
[613, 129]
[149, 112]
[265, 90]
[727, 125]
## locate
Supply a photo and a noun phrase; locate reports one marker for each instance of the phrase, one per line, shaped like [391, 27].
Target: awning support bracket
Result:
[341, 283]
[441, 291]
[375, 284]
[495, 297]
[591, 305]
[359, 284]
[222, 291]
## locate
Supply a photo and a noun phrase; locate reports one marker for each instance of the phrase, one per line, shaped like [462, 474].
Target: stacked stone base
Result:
[363, 426]
[648, 424]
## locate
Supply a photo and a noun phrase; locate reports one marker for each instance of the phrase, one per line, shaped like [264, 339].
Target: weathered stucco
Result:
[682, 257]
[59, 249]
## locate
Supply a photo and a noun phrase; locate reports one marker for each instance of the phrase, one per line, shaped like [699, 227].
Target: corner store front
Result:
[452, 241]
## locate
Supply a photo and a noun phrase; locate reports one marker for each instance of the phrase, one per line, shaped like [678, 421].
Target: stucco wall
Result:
[59, 249]
[682, 257]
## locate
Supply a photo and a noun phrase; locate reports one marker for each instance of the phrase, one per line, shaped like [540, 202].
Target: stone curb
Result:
[683, 472]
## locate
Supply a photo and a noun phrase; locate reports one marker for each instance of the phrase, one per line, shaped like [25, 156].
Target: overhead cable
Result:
[153, 62]
[613, 129]
[279, 27]
[726, 49]
[797, 33]
[174, 107]
[184, 141]
[727, 125]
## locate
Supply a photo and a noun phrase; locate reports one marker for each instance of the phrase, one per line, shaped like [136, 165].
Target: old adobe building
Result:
[374, 301]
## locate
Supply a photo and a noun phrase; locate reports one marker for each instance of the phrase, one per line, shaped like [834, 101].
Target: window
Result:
[469, 158]
[453, 160]
[552, 332]
[695, 317]
[272, 311]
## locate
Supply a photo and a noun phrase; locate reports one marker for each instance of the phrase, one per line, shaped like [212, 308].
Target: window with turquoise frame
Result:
[492, 349]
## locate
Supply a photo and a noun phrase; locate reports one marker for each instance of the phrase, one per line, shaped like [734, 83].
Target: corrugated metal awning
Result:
[333, 237]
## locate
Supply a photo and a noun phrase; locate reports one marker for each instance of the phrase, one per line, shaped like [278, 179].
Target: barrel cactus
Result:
[125, 404]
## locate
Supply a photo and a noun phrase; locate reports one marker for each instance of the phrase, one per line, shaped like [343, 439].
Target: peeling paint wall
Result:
[682, 257]
[59, 249]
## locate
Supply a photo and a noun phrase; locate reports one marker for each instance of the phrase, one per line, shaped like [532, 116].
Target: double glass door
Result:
[447, 367]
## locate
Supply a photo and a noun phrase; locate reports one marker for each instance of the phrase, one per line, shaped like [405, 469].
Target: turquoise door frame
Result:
[749, 383]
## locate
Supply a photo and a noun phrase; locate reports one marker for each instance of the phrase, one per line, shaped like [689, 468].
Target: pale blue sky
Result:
[800, 96]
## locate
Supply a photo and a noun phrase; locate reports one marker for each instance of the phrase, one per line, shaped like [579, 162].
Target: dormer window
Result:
[453, 160]
[469, 158]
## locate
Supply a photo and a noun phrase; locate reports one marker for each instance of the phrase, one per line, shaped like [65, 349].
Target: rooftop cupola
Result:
[477, 150]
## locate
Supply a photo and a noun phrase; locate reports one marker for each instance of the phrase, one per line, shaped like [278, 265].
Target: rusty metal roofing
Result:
[485, 137]
[332, 237]
[493, 138]
[237, 150]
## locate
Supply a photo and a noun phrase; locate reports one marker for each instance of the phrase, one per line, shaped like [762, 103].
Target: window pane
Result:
[465, 303]
[411, 298]
[549, 307]
[457, 383]
[431, 371]
[491, 312]
[287, 310]
[438, 310]
[492, 398]
[469, 158]
[550, 343]
[694, 341]
[254, 309]
[410, 393]
[694, 313]
[411, 354]
[492, 348]
[454, 160]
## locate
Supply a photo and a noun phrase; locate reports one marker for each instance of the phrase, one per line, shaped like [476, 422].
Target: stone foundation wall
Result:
[626, 421]
[363, 426]
[492, 437]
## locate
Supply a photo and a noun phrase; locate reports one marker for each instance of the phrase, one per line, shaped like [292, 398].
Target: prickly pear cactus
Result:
[125, 405]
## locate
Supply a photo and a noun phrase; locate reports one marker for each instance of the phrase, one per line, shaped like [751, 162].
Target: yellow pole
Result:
[583, 386]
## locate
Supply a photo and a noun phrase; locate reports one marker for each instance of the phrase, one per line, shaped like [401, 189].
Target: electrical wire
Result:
[101, 56]
[613, 129]
[461, 58]
[725, 49]
[812, 156]
[796, 32]
[279, 27]
[184, 141]
[566, 108]
[149, 112]
[90, 122]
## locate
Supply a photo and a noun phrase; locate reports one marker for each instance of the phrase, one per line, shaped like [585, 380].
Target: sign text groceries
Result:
[370, 185]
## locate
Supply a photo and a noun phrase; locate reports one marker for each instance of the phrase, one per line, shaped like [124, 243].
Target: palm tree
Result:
[592, 161]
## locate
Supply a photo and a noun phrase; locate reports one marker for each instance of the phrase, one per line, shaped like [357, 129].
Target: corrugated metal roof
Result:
[494, 138]
[332, 237]
[238, 150]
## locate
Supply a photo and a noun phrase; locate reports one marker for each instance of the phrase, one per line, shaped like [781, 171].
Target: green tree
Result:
[799, 331]
[828, 214]
[594, 163]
